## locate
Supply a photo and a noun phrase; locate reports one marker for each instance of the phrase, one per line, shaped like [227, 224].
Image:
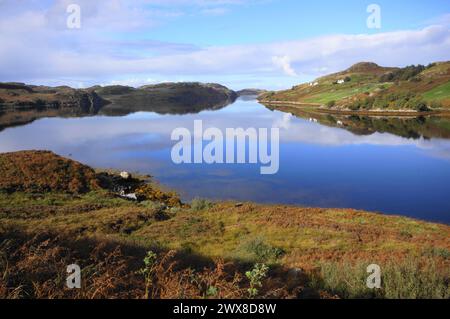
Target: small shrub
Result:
[256, 277]
[148, 270]
[259, 251]
[148, 192]
[212, 291]
[421, 106]
[436, 105]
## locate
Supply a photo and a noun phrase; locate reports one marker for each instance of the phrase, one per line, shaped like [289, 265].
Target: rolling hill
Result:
[367, 86]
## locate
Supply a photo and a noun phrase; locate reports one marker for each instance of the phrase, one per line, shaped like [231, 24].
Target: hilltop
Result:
[200, 249]
[366, 87]
[21, 103]
[166, 98]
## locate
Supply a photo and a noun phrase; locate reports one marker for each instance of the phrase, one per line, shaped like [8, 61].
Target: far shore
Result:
[321, 109]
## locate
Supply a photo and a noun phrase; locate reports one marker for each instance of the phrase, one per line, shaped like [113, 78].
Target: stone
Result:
[125, 175]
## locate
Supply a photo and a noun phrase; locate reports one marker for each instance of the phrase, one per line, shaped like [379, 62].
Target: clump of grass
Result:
[437, 252]
[343, 279]
[410, 280]
[407, 279]
[199, 204]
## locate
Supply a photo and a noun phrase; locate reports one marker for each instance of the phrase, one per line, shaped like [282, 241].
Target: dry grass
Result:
[33, 266]
[42, 171]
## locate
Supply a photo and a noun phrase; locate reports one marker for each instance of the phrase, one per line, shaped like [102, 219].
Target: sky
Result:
[269, 44]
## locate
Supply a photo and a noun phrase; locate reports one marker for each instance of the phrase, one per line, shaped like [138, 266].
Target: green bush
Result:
[258, 250]
[402, 74]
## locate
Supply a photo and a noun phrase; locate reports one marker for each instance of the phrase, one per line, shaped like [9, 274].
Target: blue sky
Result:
[271, 44]
[280, 20]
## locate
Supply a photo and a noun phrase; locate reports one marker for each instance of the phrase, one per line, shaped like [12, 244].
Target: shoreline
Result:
[319, 108]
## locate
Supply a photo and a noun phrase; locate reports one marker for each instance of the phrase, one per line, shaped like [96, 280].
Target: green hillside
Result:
[367, 86]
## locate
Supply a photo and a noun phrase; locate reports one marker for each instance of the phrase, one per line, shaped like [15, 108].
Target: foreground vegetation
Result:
[157, 247]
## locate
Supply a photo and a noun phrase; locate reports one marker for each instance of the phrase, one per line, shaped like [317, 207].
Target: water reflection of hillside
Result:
[408, 127]
[12, 117]
[123, 108]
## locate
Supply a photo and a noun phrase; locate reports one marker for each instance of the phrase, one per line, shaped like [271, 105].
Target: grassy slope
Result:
[441, 92]
[433, 86]
[318, 243]
[304, 238]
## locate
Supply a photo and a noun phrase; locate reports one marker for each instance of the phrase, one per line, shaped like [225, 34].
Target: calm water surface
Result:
[319, 165]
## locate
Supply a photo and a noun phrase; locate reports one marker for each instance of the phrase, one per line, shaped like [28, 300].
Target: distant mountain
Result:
[367, 86]
[250, 92]
[21, 103]
[22, 96]
[165, 98]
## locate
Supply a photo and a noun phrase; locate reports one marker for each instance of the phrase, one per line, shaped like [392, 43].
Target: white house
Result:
[340, 81]
[313, 83]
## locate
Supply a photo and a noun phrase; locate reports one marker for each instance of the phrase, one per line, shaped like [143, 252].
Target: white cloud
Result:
[36, 45]
[284, 63]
